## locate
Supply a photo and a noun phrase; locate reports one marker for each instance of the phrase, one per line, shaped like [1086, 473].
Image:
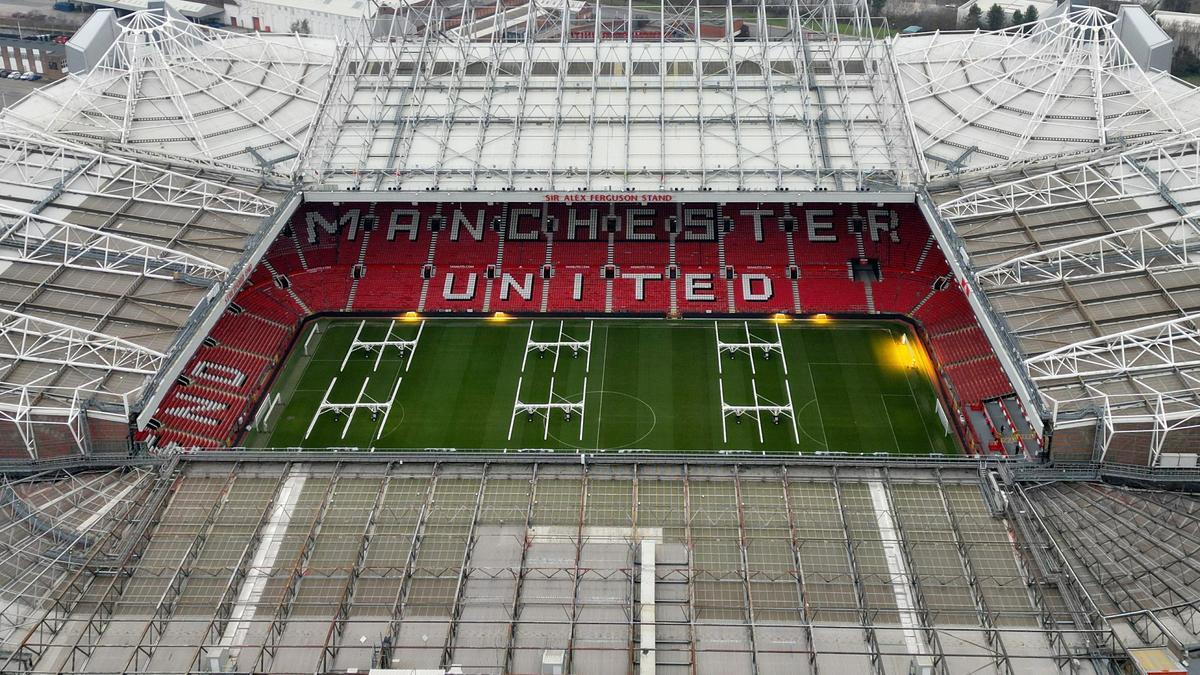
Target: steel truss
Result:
[33, 159]
[160, 61]
[41, 240]
[747, 552]
[1099, 181]
[1005, 96]
[493, 92]
[1167, 345]
[1157, 245]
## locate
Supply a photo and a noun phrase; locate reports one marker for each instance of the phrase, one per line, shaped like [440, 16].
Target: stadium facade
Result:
[187, 192]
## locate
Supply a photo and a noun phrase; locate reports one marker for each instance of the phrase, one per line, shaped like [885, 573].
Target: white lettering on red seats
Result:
[639, 219]
[760, 281]
[814, 225]
[449, 293]
[757, 217]
[698, 287]
[412, 227]
[882, 221]
[573, 222]
[639, 283]
[514, 224]
[698, 225]
[460, 220]
[524, 289]
[219, 372]
[312, 219]
[192, 412]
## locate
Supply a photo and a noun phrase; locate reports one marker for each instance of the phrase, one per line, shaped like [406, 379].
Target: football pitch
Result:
[605, 385]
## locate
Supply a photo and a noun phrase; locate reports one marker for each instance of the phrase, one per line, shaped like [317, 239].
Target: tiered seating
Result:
[900, 293]
[830, 289]
[323, 290]
[707, 283]
[467, 237]
[202, 412]
[744, 249]
[388, 288]
[252, 333]
[324, 243]
[517, 283]
[321, 246]
[562, 289]
[395, 241]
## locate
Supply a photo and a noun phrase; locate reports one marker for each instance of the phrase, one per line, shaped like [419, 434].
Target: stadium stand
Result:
[460, 258]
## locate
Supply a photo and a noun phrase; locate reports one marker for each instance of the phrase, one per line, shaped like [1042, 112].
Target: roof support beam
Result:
[1155, 245]
[27, 338]
[1166, 345]
[47, 241]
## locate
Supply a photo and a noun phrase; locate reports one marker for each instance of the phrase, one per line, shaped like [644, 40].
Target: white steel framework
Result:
[1066, 85]
[24, 337]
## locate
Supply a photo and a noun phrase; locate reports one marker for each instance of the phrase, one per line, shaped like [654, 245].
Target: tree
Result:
[1031, 14]
[995, 17]
[973, 16]
[299, 27]
[1185, 62]
[1018, 17]
[877, 7]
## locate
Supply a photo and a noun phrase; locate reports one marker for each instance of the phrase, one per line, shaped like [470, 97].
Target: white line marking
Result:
[603, 372]
[817, 400]
[891, 428]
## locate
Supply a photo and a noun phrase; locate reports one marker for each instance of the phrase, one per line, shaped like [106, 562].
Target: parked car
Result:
[14, 75]
[4, 72]
[61, 39]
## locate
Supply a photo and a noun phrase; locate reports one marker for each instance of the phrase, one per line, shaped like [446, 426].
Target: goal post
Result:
[313, 334]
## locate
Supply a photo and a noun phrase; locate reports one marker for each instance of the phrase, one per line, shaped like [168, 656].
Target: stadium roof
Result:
[175, 92]
[269, 566]
[1066, 85]
[183, 149]
[1092, 269]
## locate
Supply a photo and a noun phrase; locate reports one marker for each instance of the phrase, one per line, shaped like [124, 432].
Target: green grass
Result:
[651, 384]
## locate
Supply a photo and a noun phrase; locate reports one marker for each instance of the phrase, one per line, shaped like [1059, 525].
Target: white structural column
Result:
[890, 538]
[647, 619]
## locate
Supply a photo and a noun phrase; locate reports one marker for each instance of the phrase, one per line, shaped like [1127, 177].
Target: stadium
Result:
[535, 337]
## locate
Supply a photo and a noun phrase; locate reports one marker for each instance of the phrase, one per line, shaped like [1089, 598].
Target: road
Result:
[12, 91]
